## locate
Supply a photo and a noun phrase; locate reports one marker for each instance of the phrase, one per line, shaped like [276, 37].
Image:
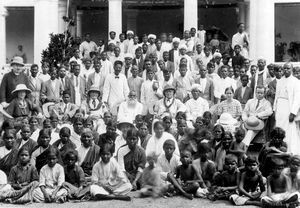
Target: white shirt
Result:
[196, 108]
[4, 151]
[82, 151]
[115, 90]
[165, 46]
[155, 145]
[168, 166]
[106, 67]
[87, 47]
[203, 82]
[127, 112]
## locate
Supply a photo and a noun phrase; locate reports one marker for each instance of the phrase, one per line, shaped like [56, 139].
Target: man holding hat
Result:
[197, 105]
[11, 80]
[256, 111]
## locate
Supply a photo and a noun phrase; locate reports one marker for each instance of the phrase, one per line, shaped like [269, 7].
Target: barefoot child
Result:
[251, 185]
[226, 183]
[75, 181]
[24, 175]
[187, 174]
[52, 177]
[206, 167]
[279, 187]
[168, 162]
[237, 147]
[132, 158]
[108, 180]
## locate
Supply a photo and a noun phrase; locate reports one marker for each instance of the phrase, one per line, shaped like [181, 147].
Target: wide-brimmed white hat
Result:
[253, 123]
[17, 60]
[21, 87]
[226, 119]
[94, 88]
[129, 32]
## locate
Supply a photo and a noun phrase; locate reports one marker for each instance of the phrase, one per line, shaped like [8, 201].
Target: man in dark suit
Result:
[138, 60]
[169, 65]
[207, 86]
[243, 93]
[173, 53]
[78, 87]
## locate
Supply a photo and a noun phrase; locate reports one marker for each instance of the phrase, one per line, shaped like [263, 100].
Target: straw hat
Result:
[253, 123]
[17, 60]
[21, 87]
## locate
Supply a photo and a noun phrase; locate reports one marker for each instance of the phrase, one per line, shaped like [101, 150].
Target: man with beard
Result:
[130, 108]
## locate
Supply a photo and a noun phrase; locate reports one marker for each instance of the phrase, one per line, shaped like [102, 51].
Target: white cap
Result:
[196, 86]
[151, 36]
[128, 55]
[217, 54]
[183, 46]
[130, 32]
[176, 40]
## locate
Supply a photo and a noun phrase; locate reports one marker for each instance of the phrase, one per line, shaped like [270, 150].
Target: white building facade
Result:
[45, 17]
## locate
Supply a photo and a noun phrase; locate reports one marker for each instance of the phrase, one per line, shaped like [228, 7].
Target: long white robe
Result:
[287, 101]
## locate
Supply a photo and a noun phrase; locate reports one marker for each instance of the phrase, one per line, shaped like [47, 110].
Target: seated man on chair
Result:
[255, 112]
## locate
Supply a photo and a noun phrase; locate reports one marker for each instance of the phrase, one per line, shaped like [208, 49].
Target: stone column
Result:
[3, 14]
[62, 11]
[190, 14]
[262, 30]
[79, 14]
[45, 22]
[115, 16]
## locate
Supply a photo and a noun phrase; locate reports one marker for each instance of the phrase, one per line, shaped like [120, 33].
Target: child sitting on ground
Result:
[206, 167]
[75, 181]
[226, 183]
[279, 187]
[188, 175]
[52, 177]
[132, 158]
[23, 175]
[108, 179]
[251, 185]
[238, 148]
[293, 172]
[152, 183]
[167, 162]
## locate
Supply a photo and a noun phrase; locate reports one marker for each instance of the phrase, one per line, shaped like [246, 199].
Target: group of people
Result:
[163, 117]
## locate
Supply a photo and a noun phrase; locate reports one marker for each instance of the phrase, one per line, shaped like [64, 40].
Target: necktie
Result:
[76, 81]
[117, 77]
[257, 104]
[63, 83]
[66, 105]
[94, 103]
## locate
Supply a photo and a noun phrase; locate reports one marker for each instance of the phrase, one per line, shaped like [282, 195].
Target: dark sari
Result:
[8, 161]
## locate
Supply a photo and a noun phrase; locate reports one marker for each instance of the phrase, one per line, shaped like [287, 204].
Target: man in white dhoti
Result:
[286, 106]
